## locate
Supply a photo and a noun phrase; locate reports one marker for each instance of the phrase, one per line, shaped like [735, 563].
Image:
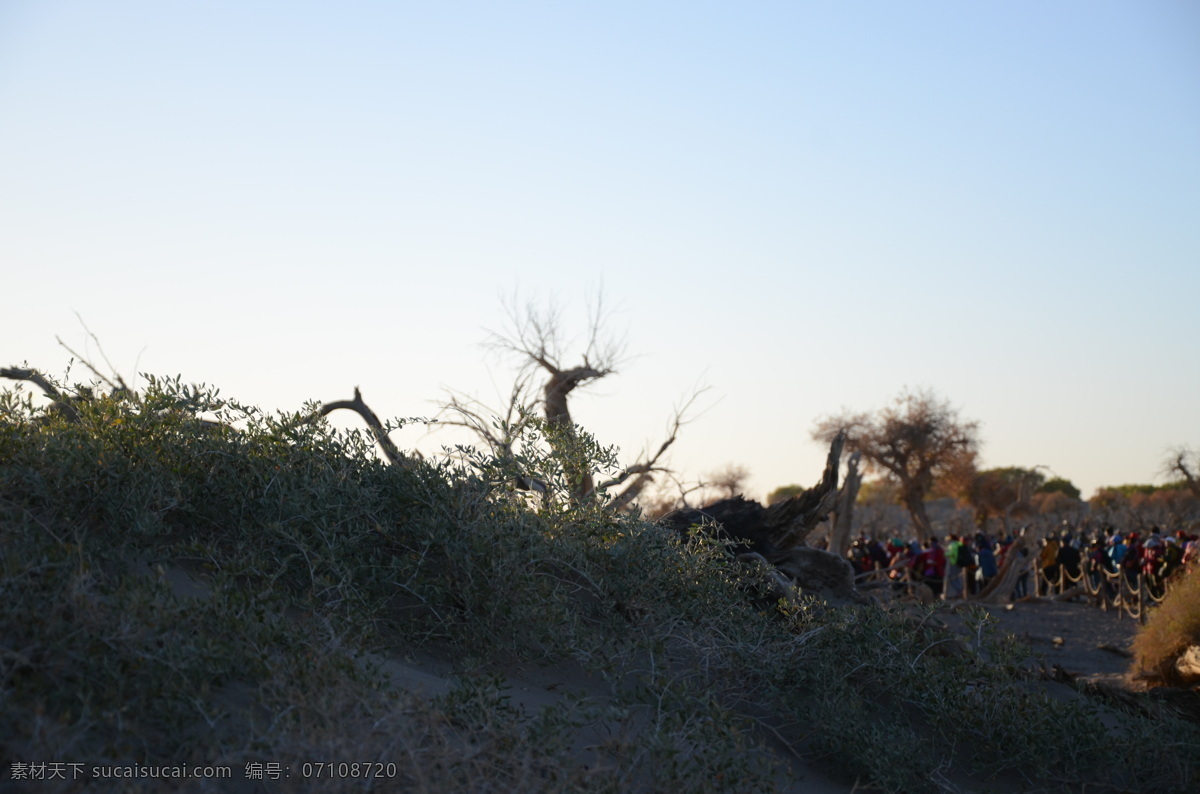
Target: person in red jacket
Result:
[1152, 557]
[930, 566]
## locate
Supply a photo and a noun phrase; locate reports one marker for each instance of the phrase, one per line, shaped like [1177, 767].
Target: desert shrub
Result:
[1170, 629]
[315, 554]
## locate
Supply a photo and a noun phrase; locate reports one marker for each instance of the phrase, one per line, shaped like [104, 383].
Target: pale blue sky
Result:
[806, 206]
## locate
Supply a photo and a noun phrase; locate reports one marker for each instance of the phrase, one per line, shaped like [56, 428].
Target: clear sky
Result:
[806, 206]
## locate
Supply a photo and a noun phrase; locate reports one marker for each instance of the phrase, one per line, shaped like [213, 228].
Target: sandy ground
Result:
[1082, 639]
[531, 688]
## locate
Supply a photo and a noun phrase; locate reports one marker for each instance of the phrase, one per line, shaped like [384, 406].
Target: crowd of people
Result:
[961, 566]
[1156, 556]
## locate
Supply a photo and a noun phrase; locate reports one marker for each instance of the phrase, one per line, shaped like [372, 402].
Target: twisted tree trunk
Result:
[843, 517]
[558, 415]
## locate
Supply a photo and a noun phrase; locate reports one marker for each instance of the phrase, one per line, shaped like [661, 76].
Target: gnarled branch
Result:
[643, 471]
[499, 434]
[789, 521]
[357, 405]
[36, 378]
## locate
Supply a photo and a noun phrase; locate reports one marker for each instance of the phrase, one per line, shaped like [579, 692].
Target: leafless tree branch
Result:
[377, 430]
[462, 410]
[34, 377]
[534, 335]
[1178, 463]
[119, 385]
[645, 467]
[500, 434]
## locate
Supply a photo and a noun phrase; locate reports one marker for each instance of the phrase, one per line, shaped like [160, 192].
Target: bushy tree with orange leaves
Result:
[913, 441]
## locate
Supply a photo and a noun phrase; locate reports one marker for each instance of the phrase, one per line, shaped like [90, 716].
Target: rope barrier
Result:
[1127, 591]
[1129, 594]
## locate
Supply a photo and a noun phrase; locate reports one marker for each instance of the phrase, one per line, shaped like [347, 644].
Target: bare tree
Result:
[912, 441]
[1181, 461]
[534, 336]
[729, 480]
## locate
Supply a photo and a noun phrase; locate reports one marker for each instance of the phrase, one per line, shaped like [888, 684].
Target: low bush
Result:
[1170, 629]
[185, 592]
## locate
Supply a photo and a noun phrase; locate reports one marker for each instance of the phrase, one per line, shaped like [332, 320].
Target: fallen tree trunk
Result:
[767, 530]
[1074, 592]
[776, 533]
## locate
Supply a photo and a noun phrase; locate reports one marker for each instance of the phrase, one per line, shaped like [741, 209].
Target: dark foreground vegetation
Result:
[229, 592]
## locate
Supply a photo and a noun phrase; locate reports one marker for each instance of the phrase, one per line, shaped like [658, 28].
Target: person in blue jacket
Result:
[985, 558]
